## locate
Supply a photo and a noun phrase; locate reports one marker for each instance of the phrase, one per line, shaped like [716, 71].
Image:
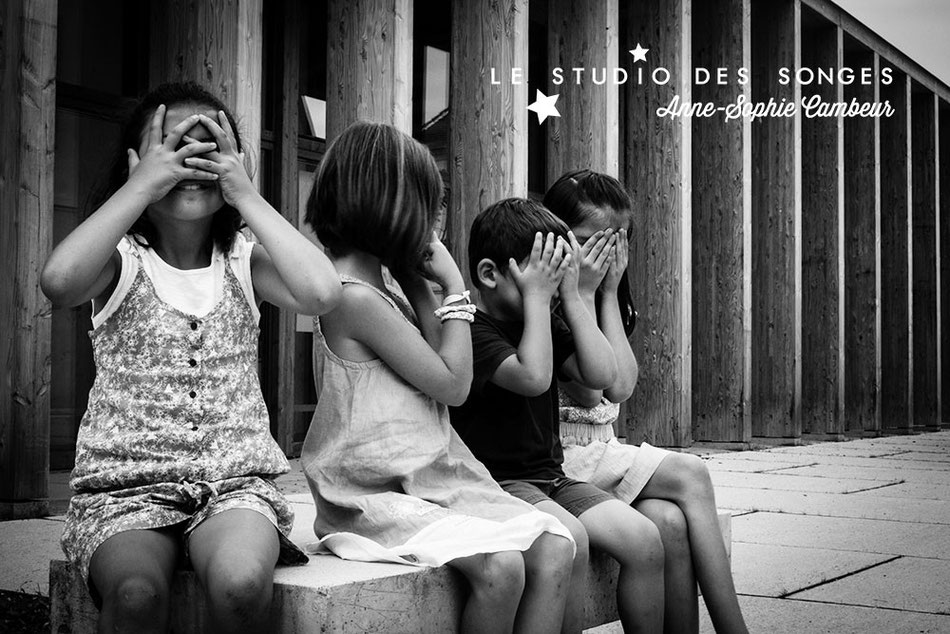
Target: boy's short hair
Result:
[506, 229]
[377, 190]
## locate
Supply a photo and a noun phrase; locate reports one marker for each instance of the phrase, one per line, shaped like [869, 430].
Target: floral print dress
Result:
[176, 429]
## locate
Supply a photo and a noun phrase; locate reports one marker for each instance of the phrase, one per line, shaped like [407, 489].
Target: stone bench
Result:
[332, 595]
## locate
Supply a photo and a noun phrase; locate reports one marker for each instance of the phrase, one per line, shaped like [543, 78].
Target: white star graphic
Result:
[544, 106]
[639, 53]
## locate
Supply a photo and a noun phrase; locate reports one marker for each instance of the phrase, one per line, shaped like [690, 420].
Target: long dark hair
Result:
[575, 197]
[225, 223]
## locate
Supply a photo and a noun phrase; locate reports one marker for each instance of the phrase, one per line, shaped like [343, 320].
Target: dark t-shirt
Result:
[515, 436]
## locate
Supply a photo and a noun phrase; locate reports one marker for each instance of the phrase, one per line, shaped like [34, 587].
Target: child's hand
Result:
[439, 266]
[569, 283]
[160, 167]
[619, 259]
[227, 163]
[593, 261]
[546, 266]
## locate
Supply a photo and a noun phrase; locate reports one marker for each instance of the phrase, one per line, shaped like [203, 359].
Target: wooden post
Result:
[943, 248]
[369, 63]
[658, 172]
[823, 360]
[776, 225]
[925, 352]
[722, 230]
[489, 138]
[27, 123]
[585, 136]
[217, 44]
[896, 370]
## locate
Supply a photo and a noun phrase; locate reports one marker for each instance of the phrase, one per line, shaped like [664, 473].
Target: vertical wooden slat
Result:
[776, 225]
[215, 43]
[943, 221]
[585, 135]
[489, 141]
[657, 170]
[822, 241]
[924, 260]
[288, 204]
[862, 314]
[27, 115]
[369, 63]
[896, 404]
[722, 228]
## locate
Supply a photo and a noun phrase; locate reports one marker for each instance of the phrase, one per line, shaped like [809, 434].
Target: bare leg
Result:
[634, 542]
[681, 610]
[497, 582]
[547, 575]
[234, 554]
[577, 590]
[132, 571]
[684, 479]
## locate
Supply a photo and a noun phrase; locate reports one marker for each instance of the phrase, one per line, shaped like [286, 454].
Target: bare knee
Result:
[240, 587]
[500, 574]
[551, 558]
[140, 599]
[645, 551]
[694, 477]
[668, 519]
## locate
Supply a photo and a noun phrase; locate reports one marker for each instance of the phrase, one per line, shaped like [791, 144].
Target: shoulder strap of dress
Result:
[346, 279]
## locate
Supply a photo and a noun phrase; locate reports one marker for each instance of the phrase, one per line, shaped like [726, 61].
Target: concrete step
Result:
[332, 595]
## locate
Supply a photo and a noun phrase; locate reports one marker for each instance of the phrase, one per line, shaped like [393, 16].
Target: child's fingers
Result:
[133, 158]
[219, 134]
[228, 130]
[575, 246]
[155, 129]
[194, 148]
[558, 255]
[604, 253]
[204, 164]
[199, 175]
[589, 243]
[176, 133]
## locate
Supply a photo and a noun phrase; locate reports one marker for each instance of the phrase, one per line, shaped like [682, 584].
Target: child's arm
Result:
[287, 269]
[529, 371]
[444, 374]
[85, 263]
[593, 363]
[612, 325]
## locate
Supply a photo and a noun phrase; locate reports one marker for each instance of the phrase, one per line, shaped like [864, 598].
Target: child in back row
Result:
[174, 457]
[390, 477]
[510, 420]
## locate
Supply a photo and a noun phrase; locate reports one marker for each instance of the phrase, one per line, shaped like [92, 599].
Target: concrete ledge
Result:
[332, 595]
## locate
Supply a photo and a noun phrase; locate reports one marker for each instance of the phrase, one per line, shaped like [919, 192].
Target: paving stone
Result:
[838, 533]
[792, 616]
[885, 473]
[909, 583]
[793, 482]
[26, 548]
[909, 490]
[834, 505]
[884, 461]
[750, 465]
[921, 456]
[774, 571]
[838, 449]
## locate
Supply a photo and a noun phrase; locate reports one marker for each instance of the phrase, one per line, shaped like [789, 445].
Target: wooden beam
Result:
[369, 63]
[489, 140]
[776, 225]
[823, 361]
[925, 353]
[943, 248]
[215, 43]
[27, 123]
[585, 135]
[863, 34]
[657, 170]
[722, 230]
[896, 369]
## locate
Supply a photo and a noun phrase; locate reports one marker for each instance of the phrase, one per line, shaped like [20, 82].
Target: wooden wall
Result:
[27, 123]
[657, 155]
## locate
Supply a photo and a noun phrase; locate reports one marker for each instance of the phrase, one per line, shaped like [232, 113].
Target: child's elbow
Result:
[324, 297]
[56, 285]
[456, 393]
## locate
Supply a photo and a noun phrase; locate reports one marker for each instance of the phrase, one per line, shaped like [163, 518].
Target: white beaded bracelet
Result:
[461, 297]
[465, 308]
[458, 314]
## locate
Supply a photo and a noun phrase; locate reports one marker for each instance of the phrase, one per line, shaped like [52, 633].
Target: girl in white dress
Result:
[391, 479]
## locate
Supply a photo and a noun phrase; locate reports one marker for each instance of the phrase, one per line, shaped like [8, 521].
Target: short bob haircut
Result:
[579, 195]
[506, 229]
[226, 222]
[377, 190]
